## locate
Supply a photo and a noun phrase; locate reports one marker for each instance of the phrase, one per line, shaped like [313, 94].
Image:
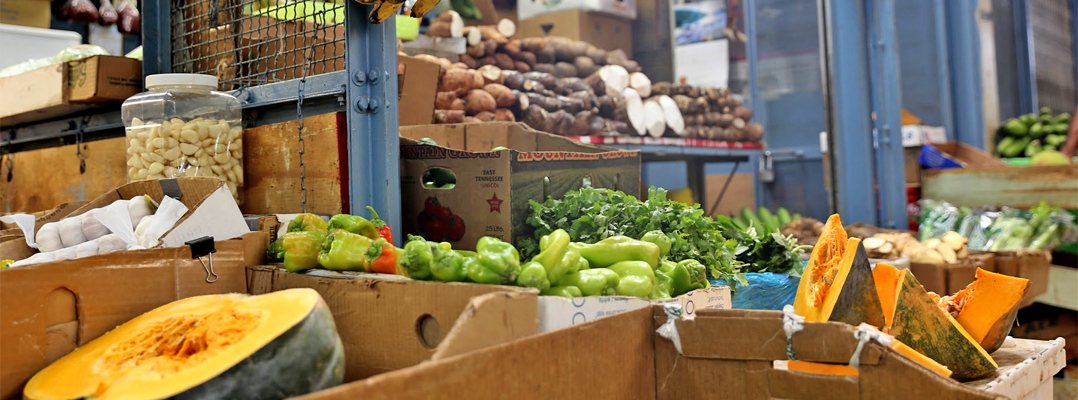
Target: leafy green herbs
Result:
[763, 250]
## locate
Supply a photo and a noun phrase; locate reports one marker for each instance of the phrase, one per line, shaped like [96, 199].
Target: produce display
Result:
[573, 88]
[951, 248]
[197, 147]
[234, 346]
[953, 334]
[1040, 228]
[1032, 134]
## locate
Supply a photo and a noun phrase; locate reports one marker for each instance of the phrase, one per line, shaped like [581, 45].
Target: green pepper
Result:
[275, 252]
[612, 250]
[416, 259]
[663, 284]
[308, 222]
[660, 239]
[555, 256]
[345, 251]
[355, 224]
[685, 276]
[637, 278]
[496, 262]
[533, 274]
[563, 291]
[447, 265]
[301, 250]
[593, 282]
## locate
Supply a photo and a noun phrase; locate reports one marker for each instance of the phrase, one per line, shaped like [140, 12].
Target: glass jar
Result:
[182, 126]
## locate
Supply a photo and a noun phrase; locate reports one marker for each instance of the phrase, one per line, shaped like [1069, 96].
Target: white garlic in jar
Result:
[175, 148]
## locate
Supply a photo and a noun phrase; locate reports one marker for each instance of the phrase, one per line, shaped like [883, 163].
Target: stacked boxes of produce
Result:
[572, 88]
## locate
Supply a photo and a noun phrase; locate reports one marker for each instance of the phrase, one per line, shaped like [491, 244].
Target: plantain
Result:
[385, 10]
[422, 7]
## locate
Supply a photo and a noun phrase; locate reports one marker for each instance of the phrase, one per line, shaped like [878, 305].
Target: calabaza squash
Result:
[918, 322]
[987, 307]
[846, 370]
[837, 284]
[233, 346]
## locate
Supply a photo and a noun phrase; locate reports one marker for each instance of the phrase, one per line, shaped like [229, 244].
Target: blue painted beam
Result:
[156, 37]
[1023, 50]
[939, 19]
[965, 64]
[373, 134]
[748, 8]
[887, 105]
[845, 31]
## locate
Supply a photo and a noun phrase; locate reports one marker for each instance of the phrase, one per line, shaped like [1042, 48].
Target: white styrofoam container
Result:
[917, 135]
[22, 43]
[531, 8]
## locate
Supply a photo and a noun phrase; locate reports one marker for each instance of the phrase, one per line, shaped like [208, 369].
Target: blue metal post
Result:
[887, 104]
[850, 120]
[156, 37]
[748, 8]
[939, 19]
[373, 134]
[965, 51]
[1023, 50]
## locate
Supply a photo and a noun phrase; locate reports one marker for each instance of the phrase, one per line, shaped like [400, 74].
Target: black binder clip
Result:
[203, 246]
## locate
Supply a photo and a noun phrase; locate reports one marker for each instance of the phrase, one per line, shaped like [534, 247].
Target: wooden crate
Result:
[271, 167]
[1019, 187]
[42, 179]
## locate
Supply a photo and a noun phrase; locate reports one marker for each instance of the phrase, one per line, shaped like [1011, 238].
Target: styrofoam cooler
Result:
[22, 43]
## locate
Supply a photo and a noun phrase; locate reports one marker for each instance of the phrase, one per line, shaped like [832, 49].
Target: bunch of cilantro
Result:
[761, 249]
[591, 214]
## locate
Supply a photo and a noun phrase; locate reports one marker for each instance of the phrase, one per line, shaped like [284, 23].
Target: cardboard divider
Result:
[388, 323]
[49, 309]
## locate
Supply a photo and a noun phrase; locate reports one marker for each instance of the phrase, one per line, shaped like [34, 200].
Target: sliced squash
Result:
[915, 355]
[987, 307]
[923, 326]
[837, 284]
[821, 368]
[233, 346]
[886, 277]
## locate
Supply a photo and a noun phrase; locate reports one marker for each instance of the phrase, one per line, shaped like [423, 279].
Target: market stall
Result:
[350, 199]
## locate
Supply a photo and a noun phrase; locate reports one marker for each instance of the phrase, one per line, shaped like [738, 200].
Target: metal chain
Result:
[299, 130]
[78, 143]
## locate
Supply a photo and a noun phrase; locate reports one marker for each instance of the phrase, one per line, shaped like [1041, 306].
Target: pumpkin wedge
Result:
[837, 284]
[923, 326]
[987, 307]
[886, 277]
[232, 346]
[846, 370]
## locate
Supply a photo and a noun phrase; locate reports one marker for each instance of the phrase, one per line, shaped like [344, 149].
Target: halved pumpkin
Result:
[232, 346]
[923, 326]
[837, 284]
[987, 307]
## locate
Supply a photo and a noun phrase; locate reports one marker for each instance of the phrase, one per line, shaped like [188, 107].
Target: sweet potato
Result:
[448, 116]
[503, 96]
[743, 112]
[585, 66]
[459, 81]
[545, 68]
[458, 104]
[485, 116]
[504, 114]
[444, 100]
[527, 57]
[565, 70]
[511, 48]
[471, 120]
[536, 117]
[479, 100]
[523, 66]
[491, 74]
[469, 61]
[490, 32]
[545, 56]
[504, 61]
[533, 44]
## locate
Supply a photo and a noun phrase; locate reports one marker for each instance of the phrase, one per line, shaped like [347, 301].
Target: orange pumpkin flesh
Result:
[837, 284]
[915, 355]
[886, 277]
[987, 307]
[821, 368]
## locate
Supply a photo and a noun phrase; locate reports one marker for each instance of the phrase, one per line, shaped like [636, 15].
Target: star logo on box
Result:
[495, 204]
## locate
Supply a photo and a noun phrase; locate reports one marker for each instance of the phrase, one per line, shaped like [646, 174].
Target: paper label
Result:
[561, 312]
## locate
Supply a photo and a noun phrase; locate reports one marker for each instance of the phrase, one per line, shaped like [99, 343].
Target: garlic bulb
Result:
[71, 232]
[48, 238]
[91, 227]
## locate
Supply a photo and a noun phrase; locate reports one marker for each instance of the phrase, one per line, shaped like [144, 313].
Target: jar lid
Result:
[181, 80]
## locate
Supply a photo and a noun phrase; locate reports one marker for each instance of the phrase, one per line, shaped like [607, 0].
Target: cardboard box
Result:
[559, 312]
[49, 309]
[416, 90]
[33, 13]
[949, 278]
[493, 188]
[604, 31]
[389, 323]
[62, 89]
[956, 155]
[532, 8]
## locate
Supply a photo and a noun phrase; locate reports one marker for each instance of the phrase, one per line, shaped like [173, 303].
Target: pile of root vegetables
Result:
[573, 88]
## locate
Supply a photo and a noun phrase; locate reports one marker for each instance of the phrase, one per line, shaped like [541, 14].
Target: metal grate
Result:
[247, 43]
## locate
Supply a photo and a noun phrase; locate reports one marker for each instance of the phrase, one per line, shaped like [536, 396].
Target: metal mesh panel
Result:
[252, 42]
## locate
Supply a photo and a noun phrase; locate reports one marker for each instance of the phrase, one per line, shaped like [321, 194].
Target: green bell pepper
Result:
[496, 262]
[301, 250]
[552, 249]
[447, 265]
[563, 291]
[533, 274]
[637, 278]
[593, 282]
[612, 250]
[355, 224]
[660, 239]
[685, 276]
[663, 284]
[416, 259]
[275, 252]
[308, 222]
[345, 251]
